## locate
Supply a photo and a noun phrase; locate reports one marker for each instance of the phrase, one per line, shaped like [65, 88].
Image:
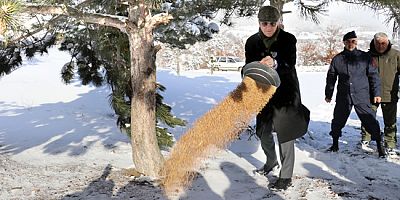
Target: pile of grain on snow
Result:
[214, 130]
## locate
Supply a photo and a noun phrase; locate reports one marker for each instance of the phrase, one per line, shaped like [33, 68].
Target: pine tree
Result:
[95, 49]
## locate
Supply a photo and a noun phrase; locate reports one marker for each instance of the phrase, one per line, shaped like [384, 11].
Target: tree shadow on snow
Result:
[101, 188]
[351, 172]
[60, 127]
[234, 183]
[105, 188]
[246, 147]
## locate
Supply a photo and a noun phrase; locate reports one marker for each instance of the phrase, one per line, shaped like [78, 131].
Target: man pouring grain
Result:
[284, 114]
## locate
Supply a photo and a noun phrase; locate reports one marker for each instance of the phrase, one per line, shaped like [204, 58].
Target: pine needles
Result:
[8, 10]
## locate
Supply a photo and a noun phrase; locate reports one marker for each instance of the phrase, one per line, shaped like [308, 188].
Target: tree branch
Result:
[94, 18]
[161, 18]
[51, 22]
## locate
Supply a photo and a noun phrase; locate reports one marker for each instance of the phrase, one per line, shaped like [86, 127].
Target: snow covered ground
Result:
[61, 142]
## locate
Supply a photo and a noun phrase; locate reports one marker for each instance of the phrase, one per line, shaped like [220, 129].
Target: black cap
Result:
[349, 35]
[268, 14]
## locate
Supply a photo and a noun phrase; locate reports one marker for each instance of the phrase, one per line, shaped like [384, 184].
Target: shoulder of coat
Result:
[253, 40]
[287, 37]
[254, 37]
[364, 54]
[362, 51]
[394, 51]
[337, 57]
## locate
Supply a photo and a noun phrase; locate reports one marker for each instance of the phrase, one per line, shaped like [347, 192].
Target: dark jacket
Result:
[289, 116]
[388, 64]
[358, 78]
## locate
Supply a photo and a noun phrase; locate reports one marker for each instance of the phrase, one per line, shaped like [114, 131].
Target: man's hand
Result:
[377, 99]
[268, 61]
[328, 100]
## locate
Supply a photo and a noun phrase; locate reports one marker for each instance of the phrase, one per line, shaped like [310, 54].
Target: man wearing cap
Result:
[388, 60]
[284, 114]
[358, 79]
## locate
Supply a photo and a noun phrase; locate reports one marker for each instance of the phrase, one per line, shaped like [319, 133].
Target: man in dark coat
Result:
[358, 78]
[284, 113]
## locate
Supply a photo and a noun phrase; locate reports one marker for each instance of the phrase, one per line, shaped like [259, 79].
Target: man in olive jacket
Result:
[388, 61]
[358, 78]
[284, 113]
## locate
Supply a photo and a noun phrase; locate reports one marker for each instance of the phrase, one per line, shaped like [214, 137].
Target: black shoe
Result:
[282, 184]
[265, 170]
[335, 145]
[381, 149]
[333, 148]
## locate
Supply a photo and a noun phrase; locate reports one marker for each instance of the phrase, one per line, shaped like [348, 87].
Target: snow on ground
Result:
[351, 173]
[60, 142]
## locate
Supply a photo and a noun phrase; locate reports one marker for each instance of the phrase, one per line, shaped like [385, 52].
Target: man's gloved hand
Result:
[328, 100]
[269, 61]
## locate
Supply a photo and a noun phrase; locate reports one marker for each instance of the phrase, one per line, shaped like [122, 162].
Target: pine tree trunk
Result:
[145, 150]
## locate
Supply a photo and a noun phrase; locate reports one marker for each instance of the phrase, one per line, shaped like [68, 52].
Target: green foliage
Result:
[190, 19]
[10, 54]
[163, 111]
[67, 72]
[85, 56]
[10, 59]
[39, 45]
[391, 8]
[8, 18]
[165, 139]
[313, 11]
[100, 55]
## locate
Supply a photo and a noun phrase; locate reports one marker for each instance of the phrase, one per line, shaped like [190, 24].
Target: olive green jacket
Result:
[388, 64]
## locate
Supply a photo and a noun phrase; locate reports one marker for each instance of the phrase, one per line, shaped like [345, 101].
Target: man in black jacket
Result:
[284, 113]
[358, 78]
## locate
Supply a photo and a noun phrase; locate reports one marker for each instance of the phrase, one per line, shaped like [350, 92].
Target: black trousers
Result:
[365, 114]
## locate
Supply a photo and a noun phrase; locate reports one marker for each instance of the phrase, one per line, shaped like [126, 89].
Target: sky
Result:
[58, 141]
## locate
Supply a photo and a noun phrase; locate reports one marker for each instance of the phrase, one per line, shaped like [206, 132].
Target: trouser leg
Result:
[340, 115]
[287, 159]
[268, 144]
[367, 117]
[264, 129]
[389, 111]
[365, 136]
